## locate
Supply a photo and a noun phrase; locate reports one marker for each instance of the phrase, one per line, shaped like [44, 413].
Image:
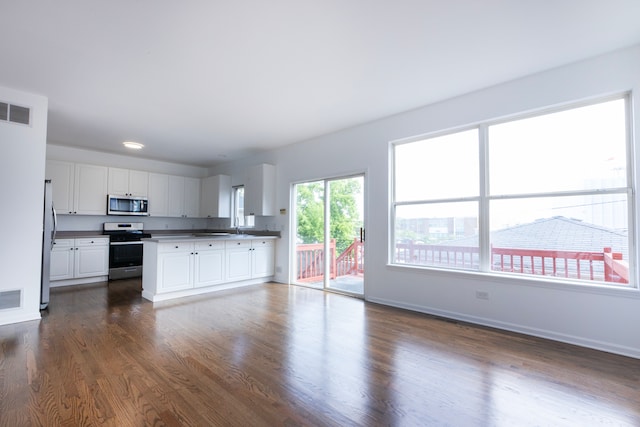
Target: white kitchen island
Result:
[179, 266]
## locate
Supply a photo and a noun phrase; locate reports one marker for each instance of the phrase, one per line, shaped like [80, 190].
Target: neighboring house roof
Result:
[559, 233]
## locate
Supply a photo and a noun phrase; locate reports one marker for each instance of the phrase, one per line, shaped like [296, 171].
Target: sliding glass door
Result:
[330, 234]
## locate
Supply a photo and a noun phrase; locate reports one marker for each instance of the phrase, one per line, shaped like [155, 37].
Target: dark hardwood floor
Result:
[275, 355]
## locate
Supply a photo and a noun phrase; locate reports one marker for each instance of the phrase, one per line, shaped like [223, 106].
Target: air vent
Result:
[14, 113]
[10, 299]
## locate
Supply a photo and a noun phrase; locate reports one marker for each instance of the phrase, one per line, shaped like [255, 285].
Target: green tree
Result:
[345, 215]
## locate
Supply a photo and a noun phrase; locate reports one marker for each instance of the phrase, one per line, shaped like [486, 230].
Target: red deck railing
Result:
[605, 266]
[311, 261]
[351, 261]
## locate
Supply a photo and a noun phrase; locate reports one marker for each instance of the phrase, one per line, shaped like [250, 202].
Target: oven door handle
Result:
[126, 243]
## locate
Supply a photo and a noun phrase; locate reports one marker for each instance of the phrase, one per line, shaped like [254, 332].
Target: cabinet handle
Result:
[176, 247]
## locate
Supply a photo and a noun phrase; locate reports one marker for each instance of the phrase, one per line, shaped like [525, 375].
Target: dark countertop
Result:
[230, 231]
[189, 238]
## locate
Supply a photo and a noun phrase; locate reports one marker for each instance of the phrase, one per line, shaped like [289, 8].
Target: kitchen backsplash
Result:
[94, 222]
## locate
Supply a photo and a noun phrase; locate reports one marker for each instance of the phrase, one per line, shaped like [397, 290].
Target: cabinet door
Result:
[175, 196]
[62, 256]
[138, 183]
[215, 197]
[260, 191]
[62, 176]
[92, 258]
[238, 266]
[118, 181]
[90, 195]
[158, 194]
[191, 197]
[209, 268]
[263, 258]
[175, 271]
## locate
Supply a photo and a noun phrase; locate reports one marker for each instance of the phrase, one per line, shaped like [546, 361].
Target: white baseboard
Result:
[199, 291]
[8, 317]
[81, 281]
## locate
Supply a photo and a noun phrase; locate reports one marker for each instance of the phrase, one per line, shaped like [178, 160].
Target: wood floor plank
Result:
[276, 355]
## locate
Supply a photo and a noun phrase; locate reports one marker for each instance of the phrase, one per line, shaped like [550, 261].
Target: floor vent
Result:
[14, 113]
[10, 299]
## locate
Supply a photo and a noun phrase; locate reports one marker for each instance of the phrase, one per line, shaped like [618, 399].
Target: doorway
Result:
[330, 234]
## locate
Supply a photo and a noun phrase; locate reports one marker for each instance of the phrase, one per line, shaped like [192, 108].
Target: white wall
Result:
[22, 195]
[592, 317]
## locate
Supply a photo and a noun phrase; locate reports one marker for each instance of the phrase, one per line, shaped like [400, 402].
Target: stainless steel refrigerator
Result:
[48, 236]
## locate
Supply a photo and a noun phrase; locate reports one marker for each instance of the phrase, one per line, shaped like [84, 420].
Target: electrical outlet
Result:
[482, 295]
[278, 269]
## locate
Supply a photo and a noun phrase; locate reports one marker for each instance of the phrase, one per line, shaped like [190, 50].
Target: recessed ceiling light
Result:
[133, 145]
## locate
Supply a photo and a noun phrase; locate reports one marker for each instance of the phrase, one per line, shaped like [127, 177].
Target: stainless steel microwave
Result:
[127, 205]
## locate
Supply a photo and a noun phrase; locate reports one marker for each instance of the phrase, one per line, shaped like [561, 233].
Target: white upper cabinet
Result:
[158, 194]
[128, 182]
[260, 191]
[78, 188]
[90, 190]
[62, 176]
[215, 198]
[82, 189]
[183, 197]
[191, 197]
[175, 196]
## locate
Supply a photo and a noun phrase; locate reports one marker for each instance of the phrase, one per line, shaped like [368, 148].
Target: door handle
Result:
[362, 234]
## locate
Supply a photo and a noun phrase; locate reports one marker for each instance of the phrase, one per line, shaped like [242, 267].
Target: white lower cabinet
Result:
[188, 267]
[250, 259]
[238, 260]
[175, 266]
[79, 258]
[62, 259]
[263, 258]
[209, 264]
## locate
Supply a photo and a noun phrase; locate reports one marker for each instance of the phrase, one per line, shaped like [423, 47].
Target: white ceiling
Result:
[205, 81]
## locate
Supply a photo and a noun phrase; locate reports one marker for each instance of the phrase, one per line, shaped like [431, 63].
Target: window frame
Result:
[237, 220]
[484, 198]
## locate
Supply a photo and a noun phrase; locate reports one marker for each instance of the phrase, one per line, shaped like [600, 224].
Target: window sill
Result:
[519, 280]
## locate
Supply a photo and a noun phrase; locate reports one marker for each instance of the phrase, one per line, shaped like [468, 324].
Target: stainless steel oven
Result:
[125, 249]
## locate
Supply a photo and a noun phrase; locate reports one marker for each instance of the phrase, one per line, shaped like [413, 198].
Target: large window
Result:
[545, 195]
